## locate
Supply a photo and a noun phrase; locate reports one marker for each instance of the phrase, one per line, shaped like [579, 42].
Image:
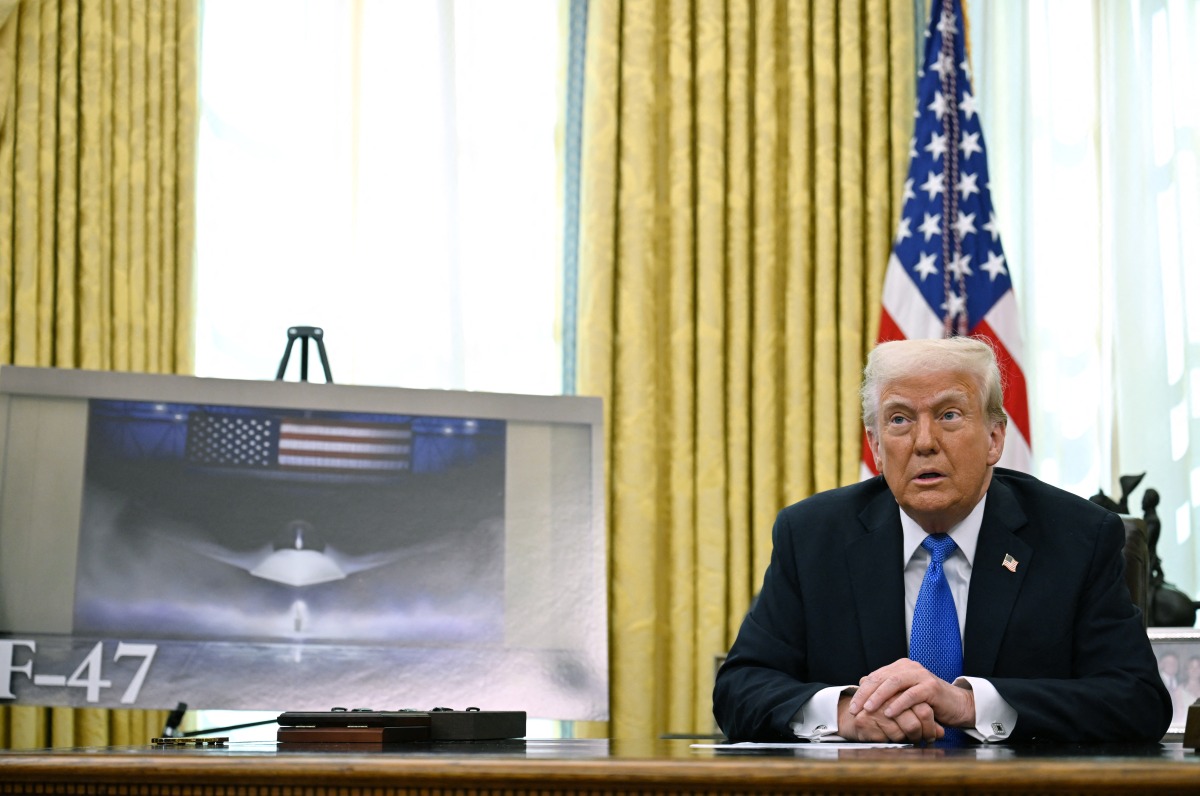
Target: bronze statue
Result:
[1169, 607]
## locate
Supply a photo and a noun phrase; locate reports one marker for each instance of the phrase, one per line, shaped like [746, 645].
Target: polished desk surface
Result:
[595, 767]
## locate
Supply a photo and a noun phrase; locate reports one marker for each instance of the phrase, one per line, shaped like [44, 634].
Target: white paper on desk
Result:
[801, 746]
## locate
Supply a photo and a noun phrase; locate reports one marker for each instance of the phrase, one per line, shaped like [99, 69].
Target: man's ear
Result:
[873, 442]
[996, 441]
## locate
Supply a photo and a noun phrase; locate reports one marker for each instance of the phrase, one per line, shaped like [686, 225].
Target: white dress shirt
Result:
[994, 718]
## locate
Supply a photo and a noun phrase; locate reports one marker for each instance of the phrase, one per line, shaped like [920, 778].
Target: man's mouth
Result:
[929, 476]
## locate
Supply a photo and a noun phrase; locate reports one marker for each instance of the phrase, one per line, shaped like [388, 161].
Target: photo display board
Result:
[292, 546]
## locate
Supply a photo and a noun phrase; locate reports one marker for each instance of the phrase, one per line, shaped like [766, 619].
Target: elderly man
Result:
[946, 595]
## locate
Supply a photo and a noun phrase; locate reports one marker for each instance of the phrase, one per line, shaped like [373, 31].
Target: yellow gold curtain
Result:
[97, 171]
[742, 167]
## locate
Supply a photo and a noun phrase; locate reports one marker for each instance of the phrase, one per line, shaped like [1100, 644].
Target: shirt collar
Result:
[966, 533]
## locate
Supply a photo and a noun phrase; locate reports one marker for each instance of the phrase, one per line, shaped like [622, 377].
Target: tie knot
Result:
[939, 546]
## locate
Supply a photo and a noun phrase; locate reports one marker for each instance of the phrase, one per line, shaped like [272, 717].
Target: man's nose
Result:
[926, 434]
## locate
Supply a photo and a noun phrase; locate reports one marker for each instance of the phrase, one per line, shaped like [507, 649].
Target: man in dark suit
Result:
[1051, 645]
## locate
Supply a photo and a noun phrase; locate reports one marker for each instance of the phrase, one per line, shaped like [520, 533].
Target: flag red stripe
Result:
[335, 455]
[888, 329]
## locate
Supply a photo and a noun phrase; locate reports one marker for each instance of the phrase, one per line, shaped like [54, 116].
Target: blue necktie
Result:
[936, 643]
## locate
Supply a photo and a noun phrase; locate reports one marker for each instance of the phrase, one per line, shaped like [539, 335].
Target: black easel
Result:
[305, 333]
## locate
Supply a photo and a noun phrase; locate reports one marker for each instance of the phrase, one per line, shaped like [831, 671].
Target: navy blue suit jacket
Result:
[1059, 638]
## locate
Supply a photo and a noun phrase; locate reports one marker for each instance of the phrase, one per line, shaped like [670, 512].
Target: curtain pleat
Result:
[97, 159]
[66, 317]
[8, 74]
[742, 165]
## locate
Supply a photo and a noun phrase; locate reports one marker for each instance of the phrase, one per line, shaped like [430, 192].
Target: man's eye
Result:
[951, 415]
[897, 420]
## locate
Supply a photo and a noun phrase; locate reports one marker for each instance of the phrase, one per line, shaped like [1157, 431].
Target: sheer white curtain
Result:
[1092, 117]
[386, 171]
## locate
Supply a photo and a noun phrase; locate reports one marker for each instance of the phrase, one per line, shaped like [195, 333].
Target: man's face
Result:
[935, 446]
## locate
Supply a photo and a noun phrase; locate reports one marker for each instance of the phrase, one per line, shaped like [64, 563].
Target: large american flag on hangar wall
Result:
[947, 273]
[283, 442]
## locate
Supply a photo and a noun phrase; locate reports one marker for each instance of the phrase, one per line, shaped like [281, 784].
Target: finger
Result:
[882, 687]
[869, 730]
[867, 687]
[894, 731]
[922, 692]
[918, 724]
[879, 686]
[873, 727]
[929, 728]
[910, 725]
[870, 727]
[860, 696]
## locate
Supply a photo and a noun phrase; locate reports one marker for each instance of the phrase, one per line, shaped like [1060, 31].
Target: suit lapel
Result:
[873, 556]
[994, 587]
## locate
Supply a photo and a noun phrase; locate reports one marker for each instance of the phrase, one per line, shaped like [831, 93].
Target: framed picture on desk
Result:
[1178, 653]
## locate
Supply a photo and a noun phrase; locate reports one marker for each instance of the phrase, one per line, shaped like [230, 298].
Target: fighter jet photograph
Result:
[236, 522]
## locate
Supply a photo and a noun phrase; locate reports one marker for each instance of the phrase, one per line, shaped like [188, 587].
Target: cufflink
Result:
[997, 728]
[822, 727]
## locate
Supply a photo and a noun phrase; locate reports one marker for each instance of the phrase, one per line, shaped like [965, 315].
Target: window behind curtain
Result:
[386, 171]
[1092, 117]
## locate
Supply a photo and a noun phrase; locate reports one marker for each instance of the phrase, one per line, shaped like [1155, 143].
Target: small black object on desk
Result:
[393, 726]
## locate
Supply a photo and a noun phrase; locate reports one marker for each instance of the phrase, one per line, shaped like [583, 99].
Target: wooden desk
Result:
[594, 768]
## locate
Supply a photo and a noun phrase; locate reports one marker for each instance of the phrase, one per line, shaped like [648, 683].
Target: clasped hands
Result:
[904, 702]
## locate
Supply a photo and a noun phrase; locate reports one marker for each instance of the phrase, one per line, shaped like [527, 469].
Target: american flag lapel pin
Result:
[1010, 563]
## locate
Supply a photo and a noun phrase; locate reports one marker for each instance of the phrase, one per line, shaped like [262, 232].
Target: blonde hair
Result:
[898, 358]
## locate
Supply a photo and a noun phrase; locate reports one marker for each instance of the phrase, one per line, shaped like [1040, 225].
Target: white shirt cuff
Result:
[818, 717]
[995, 719]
